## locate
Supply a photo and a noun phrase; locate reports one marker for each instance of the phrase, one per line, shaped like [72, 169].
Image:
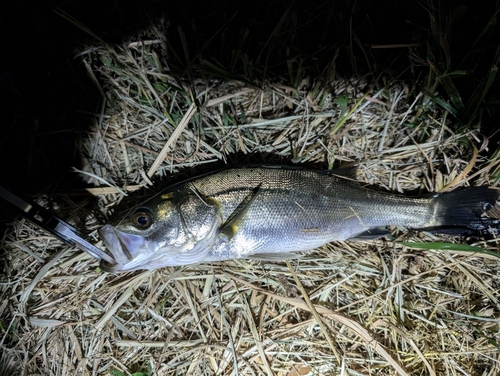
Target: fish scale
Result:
[297, 210]
[242, 212]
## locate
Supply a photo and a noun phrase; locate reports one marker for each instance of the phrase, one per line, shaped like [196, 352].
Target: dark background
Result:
[46, 96]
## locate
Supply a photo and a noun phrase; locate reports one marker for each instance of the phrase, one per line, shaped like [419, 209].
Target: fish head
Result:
[174, 228]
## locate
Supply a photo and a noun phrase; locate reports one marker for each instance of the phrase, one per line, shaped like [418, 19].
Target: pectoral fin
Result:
[237, 217]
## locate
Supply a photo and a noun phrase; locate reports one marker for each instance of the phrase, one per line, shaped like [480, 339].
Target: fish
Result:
[271, 212]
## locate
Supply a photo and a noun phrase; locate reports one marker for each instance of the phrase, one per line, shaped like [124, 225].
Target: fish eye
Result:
[142, 219]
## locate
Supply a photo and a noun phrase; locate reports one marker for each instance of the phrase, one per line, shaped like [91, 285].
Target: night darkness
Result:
[46, 95]
[48, 101]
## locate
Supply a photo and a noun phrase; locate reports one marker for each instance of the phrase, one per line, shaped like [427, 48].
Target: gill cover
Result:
[175, 228]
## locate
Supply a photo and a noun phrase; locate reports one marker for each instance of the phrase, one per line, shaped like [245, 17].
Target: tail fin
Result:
[462, 212]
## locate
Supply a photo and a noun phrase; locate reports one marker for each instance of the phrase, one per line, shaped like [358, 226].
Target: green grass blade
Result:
[453, 111]
[450, 247]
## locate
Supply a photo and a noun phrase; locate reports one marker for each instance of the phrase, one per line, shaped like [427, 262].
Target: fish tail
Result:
[464, 212]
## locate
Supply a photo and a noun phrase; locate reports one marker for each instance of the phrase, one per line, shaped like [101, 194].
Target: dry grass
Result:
[345, 309]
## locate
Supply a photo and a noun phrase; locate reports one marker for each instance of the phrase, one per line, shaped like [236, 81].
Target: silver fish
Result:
[264, 211]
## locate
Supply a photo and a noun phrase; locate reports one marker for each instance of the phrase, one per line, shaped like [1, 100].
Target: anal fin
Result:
[370, 234]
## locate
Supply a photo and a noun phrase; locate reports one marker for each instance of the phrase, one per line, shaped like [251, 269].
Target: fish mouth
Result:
[119, 246]
[134, 252]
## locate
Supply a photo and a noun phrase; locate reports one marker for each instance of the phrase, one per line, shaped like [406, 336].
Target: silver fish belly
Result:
[237, 213]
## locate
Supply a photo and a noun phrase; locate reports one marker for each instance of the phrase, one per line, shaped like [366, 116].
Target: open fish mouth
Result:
[120, 246]
[134, 252]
